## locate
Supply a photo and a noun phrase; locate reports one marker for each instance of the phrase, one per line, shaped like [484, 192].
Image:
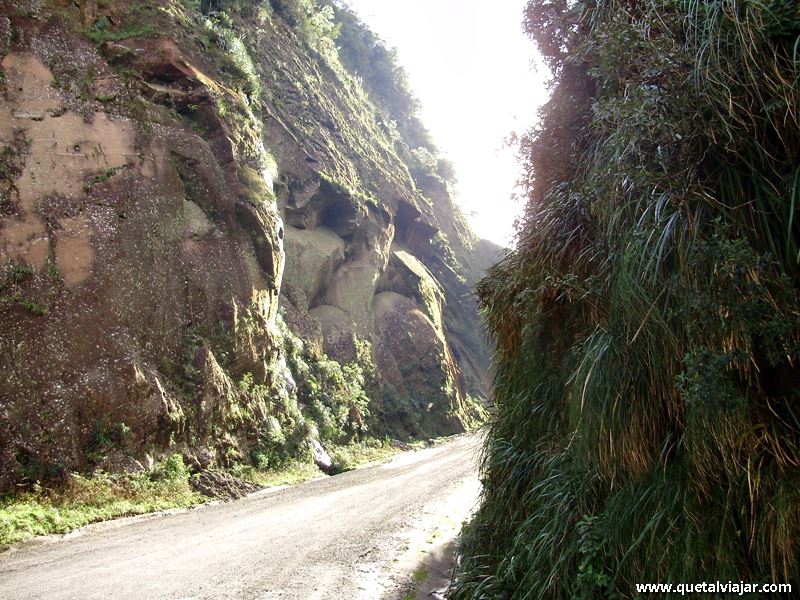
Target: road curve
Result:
[327, 539]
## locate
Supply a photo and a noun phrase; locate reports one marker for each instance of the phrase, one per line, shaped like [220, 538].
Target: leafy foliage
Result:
[100, 32]
[365, 54]
[221, 28]
[648, 321]
[313, 20]
[334, 395]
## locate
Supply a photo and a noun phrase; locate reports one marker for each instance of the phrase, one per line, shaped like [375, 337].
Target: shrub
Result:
[333, 394]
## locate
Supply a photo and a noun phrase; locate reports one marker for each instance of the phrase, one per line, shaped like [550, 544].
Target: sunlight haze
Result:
[472, 70]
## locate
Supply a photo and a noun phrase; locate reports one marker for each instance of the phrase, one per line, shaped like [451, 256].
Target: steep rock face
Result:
[459, 259]
[149, 156]
[413, 352]
[138, 277]
[348, 201]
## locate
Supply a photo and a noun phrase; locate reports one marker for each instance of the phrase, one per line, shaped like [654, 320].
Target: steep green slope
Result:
[648, 321]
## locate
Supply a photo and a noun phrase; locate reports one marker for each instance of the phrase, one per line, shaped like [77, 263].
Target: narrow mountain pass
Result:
[334, 538]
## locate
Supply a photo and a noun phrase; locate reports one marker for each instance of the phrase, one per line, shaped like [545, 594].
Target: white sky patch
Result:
[472, 68]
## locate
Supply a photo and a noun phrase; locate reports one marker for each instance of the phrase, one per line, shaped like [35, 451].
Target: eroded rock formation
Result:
[147, 170]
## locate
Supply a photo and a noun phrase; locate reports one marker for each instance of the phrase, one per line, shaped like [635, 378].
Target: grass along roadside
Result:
[100, 497]
[103, 496]
[345, 458]
[418, 577]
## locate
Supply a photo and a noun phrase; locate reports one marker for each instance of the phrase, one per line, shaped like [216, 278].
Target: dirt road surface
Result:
[353, 536]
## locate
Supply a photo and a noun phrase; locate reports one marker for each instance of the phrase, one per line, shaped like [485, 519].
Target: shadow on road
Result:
[430, 578]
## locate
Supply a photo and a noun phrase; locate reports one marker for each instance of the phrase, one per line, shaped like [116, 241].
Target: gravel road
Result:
[337, 538]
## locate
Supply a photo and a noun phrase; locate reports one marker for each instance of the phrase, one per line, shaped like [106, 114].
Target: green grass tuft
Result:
[100, 497]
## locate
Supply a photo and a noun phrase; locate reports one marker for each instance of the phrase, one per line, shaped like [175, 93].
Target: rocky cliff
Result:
[209, 241]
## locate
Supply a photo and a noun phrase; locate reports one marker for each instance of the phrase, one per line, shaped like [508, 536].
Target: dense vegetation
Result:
[648, 322]
[365, 54]
[336, 32]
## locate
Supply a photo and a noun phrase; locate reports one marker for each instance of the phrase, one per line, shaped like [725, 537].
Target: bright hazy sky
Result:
[471, 66]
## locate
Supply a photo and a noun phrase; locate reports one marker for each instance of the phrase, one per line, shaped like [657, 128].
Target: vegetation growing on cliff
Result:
[648, 321]
[365, 55]
[141, 321]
